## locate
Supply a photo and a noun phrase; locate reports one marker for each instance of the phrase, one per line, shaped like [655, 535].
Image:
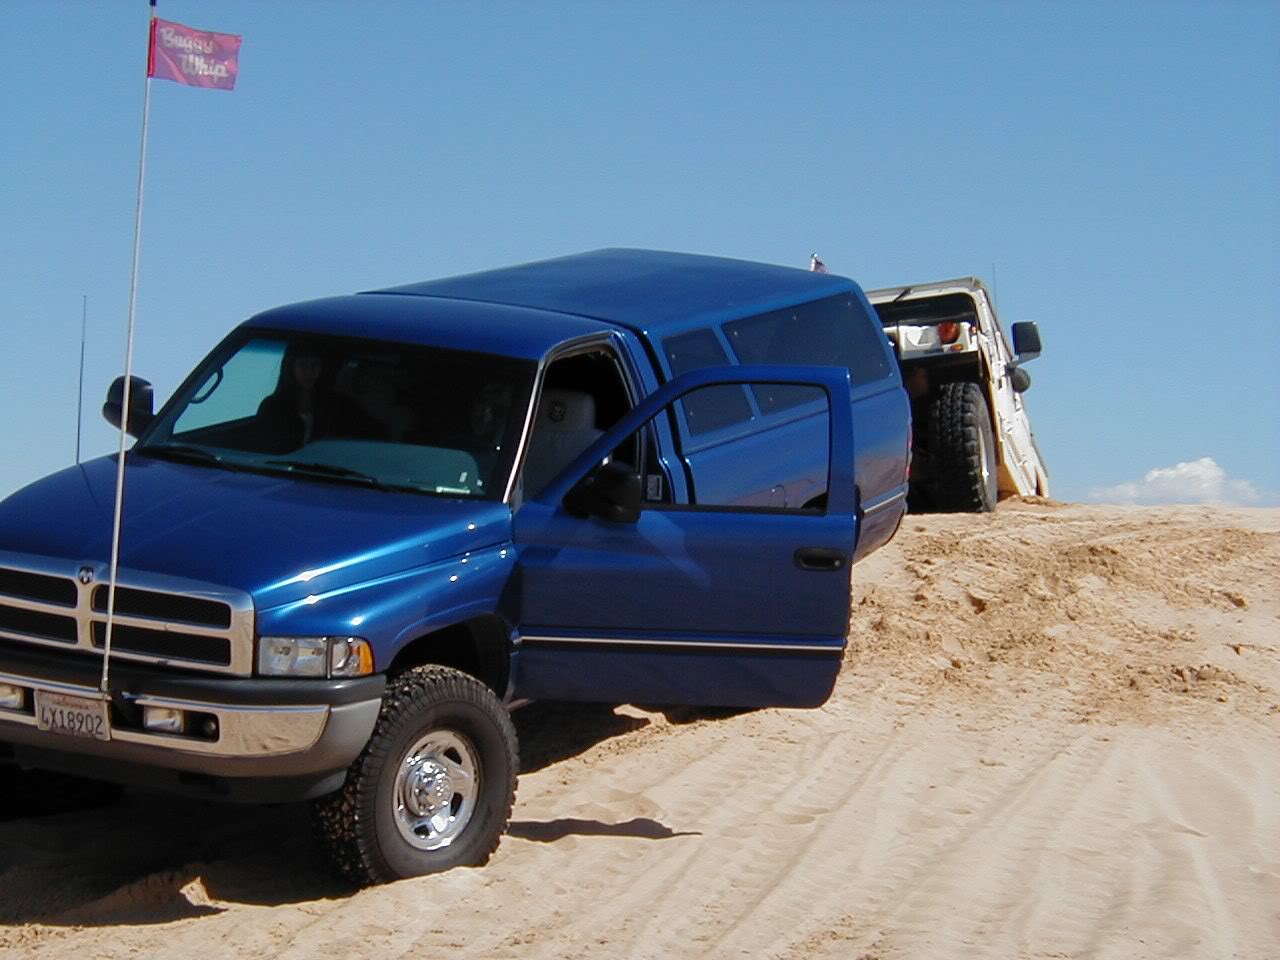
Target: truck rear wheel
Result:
[434, 787]
[962, 450]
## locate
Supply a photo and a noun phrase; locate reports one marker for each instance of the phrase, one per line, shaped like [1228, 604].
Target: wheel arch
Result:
[479, 646]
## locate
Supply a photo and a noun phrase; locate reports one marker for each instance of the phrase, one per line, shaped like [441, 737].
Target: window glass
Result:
[713, 407]
[344, 410]
[582, 396]
[234, 390]
[830, 332]
[952, 306]
[784, 467]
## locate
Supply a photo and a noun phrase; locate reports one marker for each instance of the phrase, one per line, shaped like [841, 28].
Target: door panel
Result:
[692, 604]
[1006, 407]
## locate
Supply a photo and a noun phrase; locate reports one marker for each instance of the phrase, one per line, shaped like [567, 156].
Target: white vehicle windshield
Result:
[954, 307]
[389, 415]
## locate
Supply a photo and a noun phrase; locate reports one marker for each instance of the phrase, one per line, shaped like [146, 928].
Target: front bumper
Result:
[277, 739]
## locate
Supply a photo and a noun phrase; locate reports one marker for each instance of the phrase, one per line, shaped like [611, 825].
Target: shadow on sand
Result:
[99, 856]
[549, 831]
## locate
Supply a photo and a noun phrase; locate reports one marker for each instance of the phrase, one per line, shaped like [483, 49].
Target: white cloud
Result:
[1193, 481]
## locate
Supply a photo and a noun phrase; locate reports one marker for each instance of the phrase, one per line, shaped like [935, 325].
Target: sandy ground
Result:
[1057, 734]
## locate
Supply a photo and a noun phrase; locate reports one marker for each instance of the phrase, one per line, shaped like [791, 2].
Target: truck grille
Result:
[163, 644]
[37, 624]
[35, 586]
[158, 619]
[164, 606]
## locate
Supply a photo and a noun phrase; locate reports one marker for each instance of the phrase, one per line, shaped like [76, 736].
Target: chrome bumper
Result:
[277, 740]
[243, 731]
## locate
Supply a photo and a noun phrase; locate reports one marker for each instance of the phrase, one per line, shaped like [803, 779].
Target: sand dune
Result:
[1057, 735]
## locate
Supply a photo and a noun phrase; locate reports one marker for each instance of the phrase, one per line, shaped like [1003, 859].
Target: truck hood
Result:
[279, 539]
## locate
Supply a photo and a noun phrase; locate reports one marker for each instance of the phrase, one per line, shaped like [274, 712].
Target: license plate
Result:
[73, 716]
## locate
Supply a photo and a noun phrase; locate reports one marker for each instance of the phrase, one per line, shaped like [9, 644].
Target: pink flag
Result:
[194, 57]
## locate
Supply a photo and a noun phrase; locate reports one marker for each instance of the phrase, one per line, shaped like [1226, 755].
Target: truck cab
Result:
[365, 526]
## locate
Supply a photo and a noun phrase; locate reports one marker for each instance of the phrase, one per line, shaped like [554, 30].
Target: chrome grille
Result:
[34, 586]
[37, 624]
[163, 643]
[164, 606]
[158, 619]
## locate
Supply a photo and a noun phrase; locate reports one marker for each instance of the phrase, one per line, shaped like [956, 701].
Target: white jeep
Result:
[972, 440]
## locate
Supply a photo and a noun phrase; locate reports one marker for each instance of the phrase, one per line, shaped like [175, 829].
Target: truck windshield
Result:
[388, 415]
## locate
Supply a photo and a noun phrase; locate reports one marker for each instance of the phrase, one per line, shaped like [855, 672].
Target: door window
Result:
[582, 396]
[777, 466]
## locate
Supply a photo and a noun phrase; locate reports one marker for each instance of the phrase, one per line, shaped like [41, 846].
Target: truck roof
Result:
[908, 290]
[649, 291]
[526, 310]
[457, 324]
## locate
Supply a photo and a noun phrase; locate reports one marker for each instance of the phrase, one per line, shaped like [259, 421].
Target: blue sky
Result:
[1114, 166]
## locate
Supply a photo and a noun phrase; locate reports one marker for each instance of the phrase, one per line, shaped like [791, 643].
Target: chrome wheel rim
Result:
[437, 785]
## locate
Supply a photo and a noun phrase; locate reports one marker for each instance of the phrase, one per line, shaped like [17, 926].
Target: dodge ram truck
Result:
[366, 527]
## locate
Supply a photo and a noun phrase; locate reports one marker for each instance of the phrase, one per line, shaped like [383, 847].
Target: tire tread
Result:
[959, 413]
[343, 819]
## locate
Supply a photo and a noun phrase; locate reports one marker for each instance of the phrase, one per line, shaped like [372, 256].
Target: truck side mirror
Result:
[612, 491]
[141, 405]
[1026, 340]
[1020, 380]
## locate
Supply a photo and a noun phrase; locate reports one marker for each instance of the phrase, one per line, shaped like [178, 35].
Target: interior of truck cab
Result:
[583, 394]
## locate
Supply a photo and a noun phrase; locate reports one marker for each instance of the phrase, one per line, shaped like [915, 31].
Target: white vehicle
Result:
[972, 440]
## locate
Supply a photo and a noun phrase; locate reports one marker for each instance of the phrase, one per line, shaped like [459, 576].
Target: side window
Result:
[830, 332]
[714, 407]
[234, 390]
[582, 396]
[784, 467]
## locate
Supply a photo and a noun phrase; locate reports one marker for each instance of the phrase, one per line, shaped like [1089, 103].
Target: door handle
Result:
[819, 558]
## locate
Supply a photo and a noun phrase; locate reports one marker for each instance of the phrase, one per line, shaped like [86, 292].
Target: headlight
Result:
[314, 657]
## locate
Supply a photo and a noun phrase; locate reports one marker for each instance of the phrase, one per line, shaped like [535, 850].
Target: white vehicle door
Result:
[1013, 428]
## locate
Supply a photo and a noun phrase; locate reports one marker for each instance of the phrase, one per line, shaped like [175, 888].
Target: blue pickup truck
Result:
[366, 527]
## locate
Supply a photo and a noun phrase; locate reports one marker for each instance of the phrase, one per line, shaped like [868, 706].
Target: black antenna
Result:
[84, 313]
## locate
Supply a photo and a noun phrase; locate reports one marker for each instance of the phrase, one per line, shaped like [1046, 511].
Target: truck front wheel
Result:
[433, 788]
[962, 450]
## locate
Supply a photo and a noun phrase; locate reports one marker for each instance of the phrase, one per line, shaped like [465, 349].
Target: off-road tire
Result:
[962, 450]
[357, 825]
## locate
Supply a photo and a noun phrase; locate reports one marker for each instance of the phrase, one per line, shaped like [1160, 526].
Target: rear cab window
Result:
[713, 408]
[833, 331]
[764, 444]
[830, 332]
